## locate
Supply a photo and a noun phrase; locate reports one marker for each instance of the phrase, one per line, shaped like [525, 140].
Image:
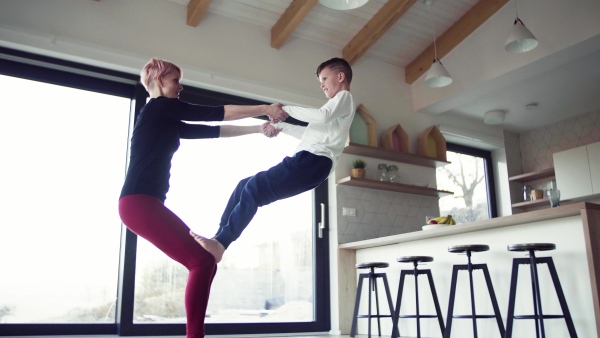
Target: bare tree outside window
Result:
[466, 177]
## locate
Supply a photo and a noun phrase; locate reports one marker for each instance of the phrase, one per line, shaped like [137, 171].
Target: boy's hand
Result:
[269, 130]
[276, 113]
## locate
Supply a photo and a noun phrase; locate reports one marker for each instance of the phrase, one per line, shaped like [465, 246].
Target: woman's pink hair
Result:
[156, 68]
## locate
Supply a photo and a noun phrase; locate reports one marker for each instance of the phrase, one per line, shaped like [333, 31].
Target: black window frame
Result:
[75, 75]
[488, 167]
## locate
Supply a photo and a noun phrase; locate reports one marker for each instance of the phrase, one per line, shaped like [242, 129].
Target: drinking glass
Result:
[382, 172]
[553, 197]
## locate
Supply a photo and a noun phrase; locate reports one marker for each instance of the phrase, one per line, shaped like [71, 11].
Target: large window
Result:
[273, 278]
[469, 175]
[266, 275]
[69, 267]
[62, 164]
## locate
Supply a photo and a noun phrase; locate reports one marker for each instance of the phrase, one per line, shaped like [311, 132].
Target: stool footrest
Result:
[419, 316]
[538, 316]
[476, 316]
[374, 316]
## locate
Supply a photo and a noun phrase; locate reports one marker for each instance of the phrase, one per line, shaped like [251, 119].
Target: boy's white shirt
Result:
[328, 126]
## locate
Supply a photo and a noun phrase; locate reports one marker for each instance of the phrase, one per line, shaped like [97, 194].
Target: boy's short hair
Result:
[337, 65]
[156, 68]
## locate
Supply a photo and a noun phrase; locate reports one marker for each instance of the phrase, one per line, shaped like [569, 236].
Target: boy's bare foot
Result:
[211, 245]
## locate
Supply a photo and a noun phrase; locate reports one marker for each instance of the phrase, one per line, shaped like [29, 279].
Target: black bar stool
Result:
[372, 277]
[415, 260]
[538, 315]
[468, 249]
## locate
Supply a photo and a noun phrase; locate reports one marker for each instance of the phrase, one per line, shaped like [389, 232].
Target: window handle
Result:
[322, 223]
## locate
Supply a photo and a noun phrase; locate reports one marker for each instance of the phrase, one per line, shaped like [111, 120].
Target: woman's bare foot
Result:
[211, 245]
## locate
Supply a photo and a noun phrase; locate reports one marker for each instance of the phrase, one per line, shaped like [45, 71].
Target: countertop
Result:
[526, 217]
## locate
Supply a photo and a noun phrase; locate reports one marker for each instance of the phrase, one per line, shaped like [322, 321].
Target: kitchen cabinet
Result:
[577, 171]
[594, 160]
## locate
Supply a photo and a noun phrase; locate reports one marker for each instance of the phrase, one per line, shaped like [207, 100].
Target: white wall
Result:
[503, 202]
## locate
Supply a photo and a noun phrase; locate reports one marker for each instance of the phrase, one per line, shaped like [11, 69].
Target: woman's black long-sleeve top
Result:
[155, 139]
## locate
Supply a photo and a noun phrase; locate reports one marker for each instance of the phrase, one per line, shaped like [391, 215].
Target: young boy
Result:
[321, 143]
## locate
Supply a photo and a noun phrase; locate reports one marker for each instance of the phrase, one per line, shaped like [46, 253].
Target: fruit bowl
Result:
[436, 222]
[434, 226]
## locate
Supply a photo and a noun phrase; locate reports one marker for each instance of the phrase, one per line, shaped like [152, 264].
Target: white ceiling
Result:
[402, 43]
[563, 85]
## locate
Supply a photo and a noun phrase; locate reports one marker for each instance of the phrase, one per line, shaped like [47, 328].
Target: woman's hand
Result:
[269, 130]
[276, 113]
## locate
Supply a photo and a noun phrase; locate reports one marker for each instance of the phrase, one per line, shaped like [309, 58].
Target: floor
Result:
[287, 335]
[312, 335]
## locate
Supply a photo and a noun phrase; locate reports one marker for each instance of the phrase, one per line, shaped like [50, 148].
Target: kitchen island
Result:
[574, 228]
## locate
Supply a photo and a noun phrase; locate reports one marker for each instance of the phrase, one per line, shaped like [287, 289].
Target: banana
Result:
[445, 220]
[451, 220]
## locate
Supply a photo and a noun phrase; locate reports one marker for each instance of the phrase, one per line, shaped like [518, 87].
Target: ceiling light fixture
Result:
[437, 75]
[494, 117]
[343, 5]
[521, 39]
[531, 106]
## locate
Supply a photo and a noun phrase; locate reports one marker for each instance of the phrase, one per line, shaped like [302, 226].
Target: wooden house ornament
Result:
[395, 138]
[364, 128]
[431, 143]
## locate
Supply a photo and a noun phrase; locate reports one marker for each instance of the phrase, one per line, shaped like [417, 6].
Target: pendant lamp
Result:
[494, 117]
[521, 39]
[343, 5]
[437, 76]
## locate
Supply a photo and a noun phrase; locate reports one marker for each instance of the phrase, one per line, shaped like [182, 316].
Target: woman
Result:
[155, 139]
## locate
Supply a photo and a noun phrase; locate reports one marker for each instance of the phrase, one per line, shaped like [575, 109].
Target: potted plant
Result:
[358, 168]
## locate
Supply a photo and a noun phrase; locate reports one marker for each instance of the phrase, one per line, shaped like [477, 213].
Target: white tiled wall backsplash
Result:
[380, 213]
[538, 145]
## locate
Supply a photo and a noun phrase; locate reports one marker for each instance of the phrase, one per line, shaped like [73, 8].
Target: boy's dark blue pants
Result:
[294, 175]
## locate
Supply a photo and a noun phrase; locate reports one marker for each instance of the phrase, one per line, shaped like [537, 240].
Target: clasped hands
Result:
[276, 115]
[269, 130]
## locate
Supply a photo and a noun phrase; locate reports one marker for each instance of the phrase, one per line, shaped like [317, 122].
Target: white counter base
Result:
[563, 227]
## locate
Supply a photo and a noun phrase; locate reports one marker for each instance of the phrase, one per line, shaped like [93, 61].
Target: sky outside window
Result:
[63, 164]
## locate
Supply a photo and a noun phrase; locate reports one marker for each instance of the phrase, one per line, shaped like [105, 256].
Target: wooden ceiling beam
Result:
[195, 10]
[375, 28]
[290, 20]
[466, 25]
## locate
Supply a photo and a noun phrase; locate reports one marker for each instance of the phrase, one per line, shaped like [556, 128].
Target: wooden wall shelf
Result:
[532, 204]
[363, 150]
[532, 176]
[391, 186]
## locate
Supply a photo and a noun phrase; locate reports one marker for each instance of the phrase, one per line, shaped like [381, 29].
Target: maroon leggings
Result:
[148, 217]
